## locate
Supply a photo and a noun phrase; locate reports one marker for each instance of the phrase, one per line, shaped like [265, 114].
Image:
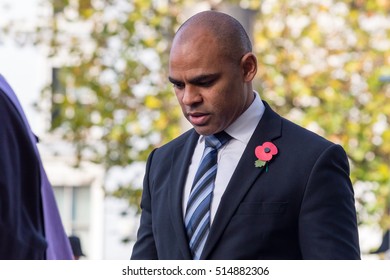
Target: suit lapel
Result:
[181, 159]
[243, 178]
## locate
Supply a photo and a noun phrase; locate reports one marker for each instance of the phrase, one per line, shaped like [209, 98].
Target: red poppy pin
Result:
[264, 153]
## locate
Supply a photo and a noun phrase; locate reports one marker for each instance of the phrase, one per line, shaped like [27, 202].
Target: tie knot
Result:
[216, 141]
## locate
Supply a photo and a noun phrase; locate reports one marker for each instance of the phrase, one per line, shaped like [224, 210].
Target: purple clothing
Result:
[58, 246]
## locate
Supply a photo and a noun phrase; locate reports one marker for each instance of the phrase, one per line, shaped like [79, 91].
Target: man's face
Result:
[209, 88]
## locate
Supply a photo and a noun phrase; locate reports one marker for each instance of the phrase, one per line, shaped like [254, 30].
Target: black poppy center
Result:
[267, 150]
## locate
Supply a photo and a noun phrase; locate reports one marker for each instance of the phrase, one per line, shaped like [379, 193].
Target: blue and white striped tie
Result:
[197, 218]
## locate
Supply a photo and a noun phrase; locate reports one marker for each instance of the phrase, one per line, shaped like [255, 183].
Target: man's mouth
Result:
[198, 119]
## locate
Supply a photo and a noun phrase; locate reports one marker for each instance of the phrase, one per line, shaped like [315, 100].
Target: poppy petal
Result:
[272, 147]
[261, 154]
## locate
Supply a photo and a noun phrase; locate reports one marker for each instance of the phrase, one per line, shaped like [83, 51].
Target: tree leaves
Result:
[326, 76]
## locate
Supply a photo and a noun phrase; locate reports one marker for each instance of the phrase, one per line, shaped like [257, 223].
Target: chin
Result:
[205, 131]
[202, 131]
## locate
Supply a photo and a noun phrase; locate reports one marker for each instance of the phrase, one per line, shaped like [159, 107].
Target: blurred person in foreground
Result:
[265, 189]
[30, 224]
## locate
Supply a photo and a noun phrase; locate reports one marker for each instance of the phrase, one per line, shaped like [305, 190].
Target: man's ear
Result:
[249, 66]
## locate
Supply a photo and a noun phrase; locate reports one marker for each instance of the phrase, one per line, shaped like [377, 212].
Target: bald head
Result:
[211, 67]
[226, 31]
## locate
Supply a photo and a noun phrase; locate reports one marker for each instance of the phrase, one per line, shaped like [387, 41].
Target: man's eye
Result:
[178, 85]
[206, 83]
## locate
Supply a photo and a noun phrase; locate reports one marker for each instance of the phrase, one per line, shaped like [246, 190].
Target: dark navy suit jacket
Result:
[302, 207]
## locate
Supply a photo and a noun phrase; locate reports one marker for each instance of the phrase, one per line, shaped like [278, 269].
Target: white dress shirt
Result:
[228, 156]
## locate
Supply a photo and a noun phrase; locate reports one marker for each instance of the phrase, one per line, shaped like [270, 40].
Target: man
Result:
[280, 191]
[30, 225]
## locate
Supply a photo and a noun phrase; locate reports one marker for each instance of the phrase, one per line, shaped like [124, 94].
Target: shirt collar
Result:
[243, 128]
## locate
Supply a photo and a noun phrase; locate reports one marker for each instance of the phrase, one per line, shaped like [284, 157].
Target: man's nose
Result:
[191, 96]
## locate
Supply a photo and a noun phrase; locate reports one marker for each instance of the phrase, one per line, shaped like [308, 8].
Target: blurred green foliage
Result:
[114, 102]
[322, 65]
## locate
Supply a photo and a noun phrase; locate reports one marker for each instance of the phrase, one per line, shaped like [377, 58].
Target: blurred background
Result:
[92, 78]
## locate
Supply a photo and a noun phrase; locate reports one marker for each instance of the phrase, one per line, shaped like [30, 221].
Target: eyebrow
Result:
[198, 79]
[173, 81]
